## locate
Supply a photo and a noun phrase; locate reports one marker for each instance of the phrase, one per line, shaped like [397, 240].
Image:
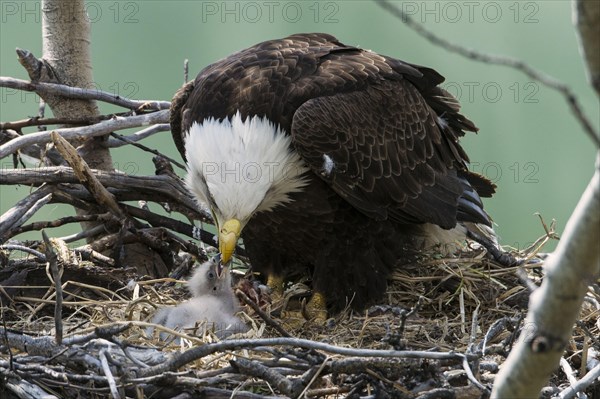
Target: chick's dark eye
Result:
[210, 275]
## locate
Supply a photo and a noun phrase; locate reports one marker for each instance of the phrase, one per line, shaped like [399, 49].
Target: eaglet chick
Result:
[212, 307]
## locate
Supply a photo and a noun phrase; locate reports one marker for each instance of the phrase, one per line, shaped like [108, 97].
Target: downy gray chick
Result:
[212, 307]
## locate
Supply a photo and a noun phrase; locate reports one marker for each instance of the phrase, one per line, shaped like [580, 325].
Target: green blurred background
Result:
[529, 142]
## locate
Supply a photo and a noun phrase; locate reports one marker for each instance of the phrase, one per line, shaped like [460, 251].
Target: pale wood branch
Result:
[593, 376]
[554, 307]
[99, 129]
[587, 20]
[85, 174]
[56, 89]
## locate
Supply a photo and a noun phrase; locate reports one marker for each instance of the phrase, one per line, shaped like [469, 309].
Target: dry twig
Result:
[519, 65]
[79, 93]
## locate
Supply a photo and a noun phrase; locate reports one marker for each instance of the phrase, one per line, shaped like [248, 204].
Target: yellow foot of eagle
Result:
[316, 309]
[275, 283]
[313, 312]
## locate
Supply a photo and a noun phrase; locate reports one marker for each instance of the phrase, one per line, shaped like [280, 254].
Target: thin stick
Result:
[85, 175]
[94, 231]
[63, 221]
[84, 94]
[99, 129]
[519, 65]
[140, 135]
[52, 260]
[147, 149]
[315, 376]
[263, 315]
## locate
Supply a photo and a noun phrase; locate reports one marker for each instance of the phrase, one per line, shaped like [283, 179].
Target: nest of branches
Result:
[75, 315]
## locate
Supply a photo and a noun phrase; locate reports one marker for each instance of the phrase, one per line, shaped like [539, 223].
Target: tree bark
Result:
[587, 19]
[66, 60]
[66, 43]
[554, 307]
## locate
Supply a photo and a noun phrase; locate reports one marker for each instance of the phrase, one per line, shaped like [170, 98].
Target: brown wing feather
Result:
[176, 118]
[391, 159]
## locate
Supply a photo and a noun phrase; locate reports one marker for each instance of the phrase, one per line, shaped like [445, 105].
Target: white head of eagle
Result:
[237, 167]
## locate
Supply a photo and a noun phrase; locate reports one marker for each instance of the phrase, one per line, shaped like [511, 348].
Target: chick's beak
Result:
[228, 237]
[219, 266]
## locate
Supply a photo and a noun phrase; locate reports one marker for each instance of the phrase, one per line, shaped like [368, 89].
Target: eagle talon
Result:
[316, 309]
[275, 283]
[276, 295]
[312, 312]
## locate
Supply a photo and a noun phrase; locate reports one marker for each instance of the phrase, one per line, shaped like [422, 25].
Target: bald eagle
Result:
[328, 158]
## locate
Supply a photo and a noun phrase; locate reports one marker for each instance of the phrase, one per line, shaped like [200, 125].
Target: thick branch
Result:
[554, 307]
[587, 20]
[165, 185]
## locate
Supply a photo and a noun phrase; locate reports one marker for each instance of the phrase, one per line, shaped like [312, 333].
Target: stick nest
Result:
[465, 308]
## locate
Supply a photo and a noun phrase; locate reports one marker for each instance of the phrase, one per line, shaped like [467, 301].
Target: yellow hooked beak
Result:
[228, 238]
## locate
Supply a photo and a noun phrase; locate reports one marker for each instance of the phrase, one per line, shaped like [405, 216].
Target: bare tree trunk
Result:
[587, 20]
[554, 307]
[67, 60]
[67, 52]
[66, 44]
[66, 37]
